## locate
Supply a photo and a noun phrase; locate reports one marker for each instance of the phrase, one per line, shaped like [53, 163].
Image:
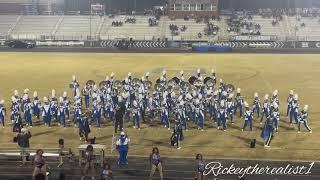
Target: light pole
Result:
[90, 20]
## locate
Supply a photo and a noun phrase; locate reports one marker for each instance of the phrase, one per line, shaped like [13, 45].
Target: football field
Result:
[262, 73]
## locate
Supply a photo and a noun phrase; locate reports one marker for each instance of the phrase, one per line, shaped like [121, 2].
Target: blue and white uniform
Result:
[61, 112]
[222, 116]
[275, 116]
[289, 101]
[122, 145]
[239, 102]
[27, 108]
[256, 104]
[230, 108]
[294, 109]
[303, 119]
[36, 105]
[46, 112]
[2, 113]
[248, 116]
[266, 108]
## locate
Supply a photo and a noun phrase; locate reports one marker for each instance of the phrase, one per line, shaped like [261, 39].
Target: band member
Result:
[294, 109]
[76, 109]
[289, 101]
[123, 147]
[266, 108]
[303, 118]
[267, 132]
[164, 114]
[275, 99]
[247, 117]
[147, 76]
[74, 85]
[86, 94]
[46, 112]
[27, 111]
[230, 108]
[199, 114]
[155, 162]
[54, 104]
[66, 105]
[25, 98]
[199, 75]
[108, 108]
[36, 105]
[136, 114]
[213, 76]
[84, 128]
[256, 104]
[16, 120]
[275, 116]
[16, 99]
[239, 102]
[61, 113]
[96, 111]
[200, 167]
[222, 116]
[2, 113]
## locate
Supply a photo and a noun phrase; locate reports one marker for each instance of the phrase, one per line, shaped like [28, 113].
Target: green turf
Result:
[252, 72]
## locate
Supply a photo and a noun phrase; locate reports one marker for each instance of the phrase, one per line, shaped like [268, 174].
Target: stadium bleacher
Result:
[66, 27]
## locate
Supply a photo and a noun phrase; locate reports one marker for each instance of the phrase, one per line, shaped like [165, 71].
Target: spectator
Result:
[200, 167]
[106, 173]
[40, 169]
[89, 163]
[155, 162]
[23, 142]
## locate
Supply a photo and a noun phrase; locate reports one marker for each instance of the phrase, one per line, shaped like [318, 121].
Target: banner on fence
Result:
[60, 43]
[252, 38]
[308, 44]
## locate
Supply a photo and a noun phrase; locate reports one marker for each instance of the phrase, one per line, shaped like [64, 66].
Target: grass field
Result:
[252, 72]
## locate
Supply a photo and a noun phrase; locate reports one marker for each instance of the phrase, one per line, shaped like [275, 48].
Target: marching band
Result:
[193, 100]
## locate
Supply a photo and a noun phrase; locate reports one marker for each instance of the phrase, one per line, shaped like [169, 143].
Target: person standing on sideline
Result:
[155, 162]
[123, 147]
[200, 167]
[23, 142]
[40, 165]
[106, 173]
[89, 163]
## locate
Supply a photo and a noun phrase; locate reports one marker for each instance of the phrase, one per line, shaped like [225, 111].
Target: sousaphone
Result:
[192, 79]
[148, 84]
[117, 84]
[90, 83]
[159, 87]
[209, 82]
